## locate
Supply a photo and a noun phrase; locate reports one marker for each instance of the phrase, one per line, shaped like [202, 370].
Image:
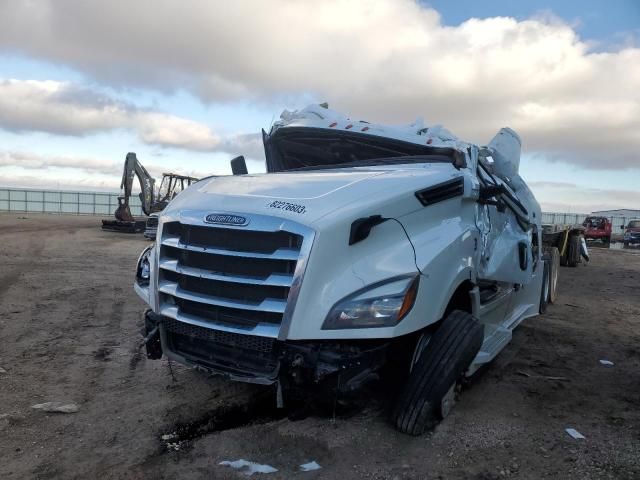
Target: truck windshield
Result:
[634, 224]
[314, 149]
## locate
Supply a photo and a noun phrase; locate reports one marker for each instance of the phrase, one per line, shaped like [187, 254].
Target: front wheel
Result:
[429, 392]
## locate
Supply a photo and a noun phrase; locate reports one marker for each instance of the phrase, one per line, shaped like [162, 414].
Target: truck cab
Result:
[364, 249]
[597, 228]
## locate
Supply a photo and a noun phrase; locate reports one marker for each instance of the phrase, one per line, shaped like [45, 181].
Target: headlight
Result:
[382, 304]
[143, 268]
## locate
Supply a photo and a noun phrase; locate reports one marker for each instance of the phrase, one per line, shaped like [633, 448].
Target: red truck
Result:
[597, 228]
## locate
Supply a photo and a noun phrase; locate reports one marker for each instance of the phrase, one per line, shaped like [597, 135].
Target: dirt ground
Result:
[69, 331]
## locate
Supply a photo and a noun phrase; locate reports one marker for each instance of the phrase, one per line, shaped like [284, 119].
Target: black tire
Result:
[553, 256]
[444, 360]
[625, 245]
[546, 282]
[607, 242]
[573, 251]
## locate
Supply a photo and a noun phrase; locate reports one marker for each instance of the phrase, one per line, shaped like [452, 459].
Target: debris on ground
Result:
[574, 433]
[57, 407]
[309, 467]
[607, 363]
[2, 370]
[249, 468]
[546, 377]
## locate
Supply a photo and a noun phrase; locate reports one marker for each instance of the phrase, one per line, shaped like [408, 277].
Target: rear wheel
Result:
[606, 241]
[546, 281]
[429, 392]
[573, 251]
[552, 255]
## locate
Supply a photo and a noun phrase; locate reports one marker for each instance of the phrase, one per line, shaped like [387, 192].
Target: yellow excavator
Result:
[152, 200]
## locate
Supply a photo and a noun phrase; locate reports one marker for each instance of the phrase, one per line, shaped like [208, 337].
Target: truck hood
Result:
[307, 196]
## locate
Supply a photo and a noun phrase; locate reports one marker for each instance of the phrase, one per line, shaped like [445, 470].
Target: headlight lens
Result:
[379, 305]
[143, 269]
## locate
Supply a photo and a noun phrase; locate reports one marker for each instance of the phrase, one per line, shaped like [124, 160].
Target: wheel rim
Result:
[448, 401]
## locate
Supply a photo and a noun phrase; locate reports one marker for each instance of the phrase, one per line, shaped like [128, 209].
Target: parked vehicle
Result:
[365, 249]
[569, 241]
[632, 234]
[151, 227]
[598, 228]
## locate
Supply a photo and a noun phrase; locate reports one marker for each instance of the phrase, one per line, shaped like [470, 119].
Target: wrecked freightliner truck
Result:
[364, 249]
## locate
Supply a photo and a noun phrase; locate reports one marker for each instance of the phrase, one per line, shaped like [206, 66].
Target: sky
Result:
[188, 85]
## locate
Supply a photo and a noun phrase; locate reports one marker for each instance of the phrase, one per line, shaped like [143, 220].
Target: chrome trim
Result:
[308, 238]
[280, 254]
[267, 305]
[275, 279]
[261, 329]
[258, 223]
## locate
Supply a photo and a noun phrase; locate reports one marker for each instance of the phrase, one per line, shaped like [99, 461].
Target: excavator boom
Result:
[150, 200]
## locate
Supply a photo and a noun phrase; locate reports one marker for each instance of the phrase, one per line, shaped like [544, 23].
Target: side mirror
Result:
[239, 166]
[621, 227]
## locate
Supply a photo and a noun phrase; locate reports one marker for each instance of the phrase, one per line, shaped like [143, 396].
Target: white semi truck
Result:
[364, 248]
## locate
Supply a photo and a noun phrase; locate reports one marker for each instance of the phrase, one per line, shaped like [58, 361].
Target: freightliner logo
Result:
[225, 219]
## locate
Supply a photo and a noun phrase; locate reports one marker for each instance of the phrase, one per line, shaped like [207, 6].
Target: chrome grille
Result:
[237, 279]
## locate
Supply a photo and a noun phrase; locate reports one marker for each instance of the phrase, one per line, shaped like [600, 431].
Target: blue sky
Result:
[81, 91]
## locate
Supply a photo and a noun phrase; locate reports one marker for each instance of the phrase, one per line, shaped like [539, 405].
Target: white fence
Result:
[577, 218]
[98, 203]
[52, 201]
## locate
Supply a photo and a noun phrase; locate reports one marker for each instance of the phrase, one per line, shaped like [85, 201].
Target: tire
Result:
[573, 251]
[443, 361]
[546, 285]
[607, 242]
[625, 245]
[553, 255]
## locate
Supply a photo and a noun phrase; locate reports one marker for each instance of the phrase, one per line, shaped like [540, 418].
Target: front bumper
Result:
[632, 239]
[262, 360]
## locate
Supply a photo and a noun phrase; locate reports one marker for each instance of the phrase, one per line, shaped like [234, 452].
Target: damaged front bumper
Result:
[262, 360]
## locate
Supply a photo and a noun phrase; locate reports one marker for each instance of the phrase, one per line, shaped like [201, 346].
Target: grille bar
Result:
[274, 279]
[267, 305]
[280, 254]
[229, 278]
[261, 329]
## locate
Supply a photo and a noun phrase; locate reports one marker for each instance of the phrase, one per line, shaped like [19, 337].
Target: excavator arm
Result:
[133, 168]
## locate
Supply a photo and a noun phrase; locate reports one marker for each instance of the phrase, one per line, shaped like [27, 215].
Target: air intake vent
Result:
[443, 191]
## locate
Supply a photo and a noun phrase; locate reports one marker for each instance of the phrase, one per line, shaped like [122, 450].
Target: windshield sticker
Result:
[287, 207]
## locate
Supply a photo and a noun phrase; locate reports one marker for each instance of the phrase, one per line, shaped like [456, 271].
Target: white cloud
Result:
[569, 197]
[68, 109]
[16, 167]
[386, 60]
[31, 161]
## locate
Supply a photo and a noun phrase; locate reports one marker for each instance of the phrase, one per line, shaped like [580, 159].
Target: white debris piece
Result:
[310, 467]
[574, 433]
[169, 436]
[608, 363]
[249, 468]
[2, 370]
[57, 407]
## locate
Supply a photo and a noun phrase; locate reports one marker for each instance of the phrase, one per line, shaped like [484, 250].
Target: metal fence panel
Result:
[53, 201]
[102, 203]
